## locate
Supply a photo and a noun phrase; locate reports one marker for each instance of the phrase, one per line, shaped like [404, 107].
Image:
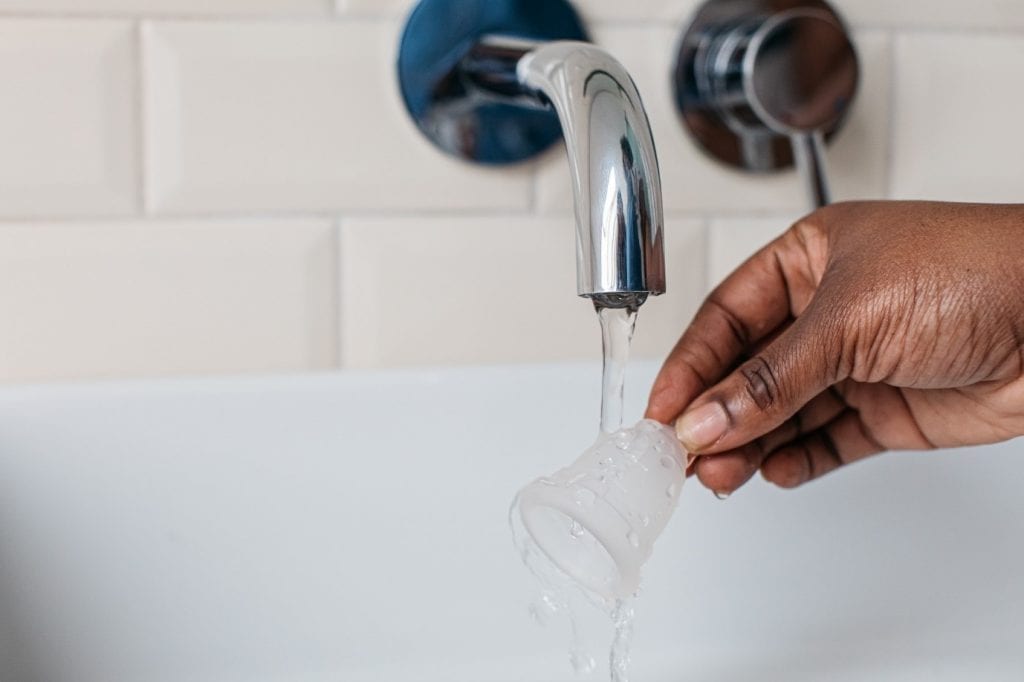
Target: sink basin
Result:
[352, 527]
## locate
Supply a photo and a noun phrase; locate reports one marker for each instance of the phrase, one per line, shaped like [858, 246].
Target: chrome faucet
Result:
[762, 84]
[483, 105]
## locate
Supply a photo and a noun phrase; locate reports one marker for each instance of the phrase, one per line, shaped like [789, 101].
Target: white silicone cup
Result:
[621, 492]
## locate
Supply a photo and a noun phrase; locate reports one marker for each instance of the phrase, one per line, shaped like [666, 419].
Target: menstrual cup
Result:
[597, 519]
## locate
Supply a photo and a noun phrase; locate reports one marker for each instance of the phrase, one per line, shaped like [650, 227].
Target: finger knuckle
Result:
[784, 472]
[811, 227]
[723, 474]
[760, 381]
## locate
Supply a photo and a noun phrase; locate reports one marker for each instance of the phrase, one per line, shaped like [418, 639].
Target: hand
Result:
[866, 327]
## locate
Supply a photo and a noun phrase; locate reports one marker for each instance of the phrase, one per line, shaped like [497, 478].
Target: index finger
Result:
[771, 287]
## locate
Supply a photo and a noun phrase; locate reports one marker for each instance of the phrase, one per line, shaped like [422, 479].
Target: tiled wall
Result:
[206, 186]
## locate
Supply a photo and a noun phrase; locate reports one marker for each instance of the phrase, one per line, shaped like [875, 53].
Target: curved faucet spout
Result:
[612, 160]
[613, 166]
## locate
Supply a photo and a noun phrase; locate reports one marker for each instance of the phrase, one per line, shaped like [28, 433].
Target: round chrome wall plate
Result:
[724, 103]
[455, 116]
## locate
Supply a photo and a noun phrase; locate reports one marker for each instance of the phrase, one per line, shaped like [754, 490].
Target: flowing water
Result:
[617, 325]
[558, 592]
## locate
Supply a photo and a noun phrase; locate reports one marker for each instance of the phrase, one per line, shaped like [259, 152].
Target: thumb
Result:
[764, 391]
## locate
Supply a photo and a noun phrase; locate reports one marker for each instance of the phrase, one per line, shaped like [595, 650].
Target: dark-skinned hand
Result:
[865, 327]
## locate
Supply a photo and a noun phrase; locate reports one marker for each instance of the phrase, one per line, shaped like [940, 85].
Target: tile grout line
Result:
[115, 219]
[143, 205]
[532, 191]
[327, 18]
[59, 15]
[707, 221]
[709, 238]
[973, 31]
[894, 103]
[330, 215]
[339, 297]
[341, 14]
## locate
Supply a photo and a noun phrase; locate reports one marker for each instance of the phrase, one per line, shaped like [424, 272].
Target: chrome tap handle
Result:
[809, 153]
[762, 84]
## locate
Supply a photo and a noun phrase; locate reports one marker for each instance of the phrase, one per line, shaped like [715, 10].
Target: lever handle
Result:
[763, 84]
[809, 153]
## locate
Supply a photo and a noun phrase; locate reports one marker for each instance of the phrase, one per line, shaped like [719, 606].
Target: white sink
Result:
[352, 527]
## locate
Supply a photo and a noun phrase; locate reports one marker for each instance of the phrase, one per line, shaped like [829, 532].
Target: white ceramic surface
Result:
[299, 116]
[465, 270]
[68, 121]
[193, 296]
[352, 527]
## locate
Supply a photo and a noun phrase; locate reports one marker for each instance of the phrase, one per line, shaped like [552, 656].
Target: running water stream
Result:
[559, 593]
[617, 326]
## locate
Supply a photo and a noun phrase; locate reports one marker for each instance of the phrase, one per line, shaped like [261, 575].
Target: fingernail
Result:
[722, 496]
[703, 426]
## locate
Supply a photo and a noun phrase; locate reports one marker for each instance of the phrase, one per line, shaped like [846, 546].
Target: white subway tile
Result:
[867, 13]
[637, 10]
[444, 291]
[858, 158]
[296, 117]
[731, 241]
[68, 125]
[954, 14]
[590, 10]
[663, 319]
[376, 8]
[90, 300]
[694, 182]
[148, 7]
[958, 118]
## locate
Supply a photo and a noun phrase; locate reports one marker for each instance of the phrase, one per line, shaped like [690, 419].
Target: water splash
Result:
[622, 642]
[559, 594]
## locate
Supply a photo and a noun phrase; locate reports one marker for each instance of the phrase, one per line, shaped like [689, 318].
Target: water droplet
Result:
[538, 614]
[722, 495]
[670, 491]
[585, 497]
[667, 462]
[623, 439]
[575, 529]
[633, 538]
[645, 520]
[549, 603]
[575, 480]
[582, 663]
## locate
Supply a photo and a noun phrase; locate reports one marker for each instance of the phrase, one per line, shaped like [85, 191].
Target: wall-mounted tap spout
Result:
[499, 81]
[612, 161]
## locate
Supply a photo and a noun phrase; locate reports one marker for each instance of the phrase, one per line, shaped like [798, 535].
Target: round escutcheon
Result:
[751, 74]
[447, 109]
